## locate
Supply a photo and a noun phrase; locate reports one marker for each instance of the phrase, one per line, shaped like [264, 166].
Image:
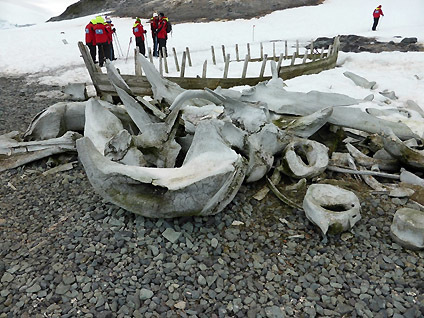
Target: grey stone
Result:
[171, 235]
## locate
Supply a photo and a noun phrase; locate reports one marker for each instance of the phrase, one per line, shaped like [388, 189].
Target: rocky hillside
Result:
[182, 10]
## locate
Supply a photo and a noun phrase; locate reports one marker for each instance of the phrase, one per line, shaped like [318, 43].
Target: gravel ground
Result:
[66, 253]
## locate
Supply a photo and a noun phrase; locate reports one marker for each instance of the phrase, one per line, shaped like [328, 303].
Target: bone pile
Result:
[187, 152]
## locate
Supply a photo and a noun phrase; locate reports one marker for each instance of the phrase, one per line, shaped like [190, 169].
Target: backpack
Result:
[168, 27]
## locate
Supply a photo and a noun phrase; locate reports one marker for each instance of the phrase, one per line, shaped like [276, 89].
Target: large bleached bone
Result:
[281, 101]
[409, 177]
[15, 154]
[297, 152]
[163, 89]
[308, 125]
[206, 182]
[408, 156]
[115, 78]
[331, 208]
[368, 162]
[55, 120]
[359, 80]
[407, 228]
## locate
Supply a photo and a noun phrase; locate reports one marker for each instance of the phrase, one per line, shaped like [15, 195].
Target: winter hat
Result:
[155, 14]
[161, 14]
[138, 20]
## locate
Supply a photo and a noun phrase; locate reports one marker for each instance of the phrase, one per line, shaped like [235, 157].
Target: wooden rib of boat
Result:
[312, 63]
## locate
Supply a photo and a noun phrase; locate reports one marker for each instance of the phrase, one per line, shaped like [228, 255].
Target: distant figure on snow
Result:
[139, 32]
[162, 33]
[376, 14]
[102, 40]
[90, 39]
[154, 26]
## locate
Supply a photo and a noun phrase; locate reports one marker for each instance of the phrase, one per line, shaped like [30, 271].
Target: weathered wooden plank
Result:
[280, 60]
[246, 62]
[227, 66]
[188, 57]
[205, 65]
[297, 47]
[286, 51]
[137, 65]
[223, 52]
[262, 51]
[293, 59]
[261, 74]
[177, 66]
[248, 49]
[89, 64]
[213, 55]
[150, 55]
[237, 53]
[165, 60]
[183, 64]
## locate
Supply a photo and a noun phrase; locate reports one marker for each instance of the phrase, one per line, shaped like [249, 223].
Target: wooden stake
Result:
[227, 65]
[150, 55]
[188, 57]
[246, 61]
[177, 66]
[183, 64]
[286, 51]
[223, 52]
[293, 59]
[237, 53]
[305, 56]
[205, 65]
[136, 62]
[273, 50]
[261, 74]
[262, 51]
[280, 60]
[213, 55]
[160, 65]
[165, 61]
[248, 50]
[322, 53]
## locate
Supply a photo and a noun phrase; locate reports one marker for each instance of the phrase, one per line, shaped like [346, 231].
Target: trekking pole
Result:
[128, 52]
[119, 44]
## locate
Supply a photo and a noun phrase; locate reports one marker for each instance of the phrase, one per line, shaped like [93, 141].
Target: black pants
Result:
[140, 43]
[374, 26]
[104, 52]
[92, 49]
[162, 44]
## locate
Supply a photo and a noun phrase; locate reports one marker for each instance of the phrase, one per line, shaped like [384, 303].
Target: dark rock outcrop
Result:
[356, 44]
[182, 10]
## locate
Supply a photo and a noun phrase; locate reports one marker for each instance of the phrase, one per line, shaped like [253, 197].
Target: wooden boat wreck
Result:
[313, 61]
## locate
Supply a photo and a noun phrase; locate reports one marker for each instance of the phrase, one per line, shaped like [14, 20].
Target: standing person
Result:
[102, 38]
[153, 26]
[90, 39]
[111, 30]
[376, 14]
[162, 33]
[139, 32]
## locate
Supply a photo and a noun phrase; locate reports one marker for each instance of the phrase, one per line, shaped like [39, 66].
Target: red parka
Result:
[138, 30]
[154, 25]
[377, 12]
[89, 34]
[101, 33]
[162, 28]
[109, 30]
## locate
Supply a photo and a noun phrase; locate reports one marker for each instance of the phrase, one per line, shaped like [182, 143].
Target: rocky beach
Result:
[64, 252]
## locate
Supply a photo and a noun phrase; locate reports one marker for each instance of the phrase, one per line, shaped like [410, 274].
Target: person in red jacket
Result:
[153, 26]
[111, 30]
[90, 39]
[102, 40]
[162, 34]
[376, 14]
[139, 32]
